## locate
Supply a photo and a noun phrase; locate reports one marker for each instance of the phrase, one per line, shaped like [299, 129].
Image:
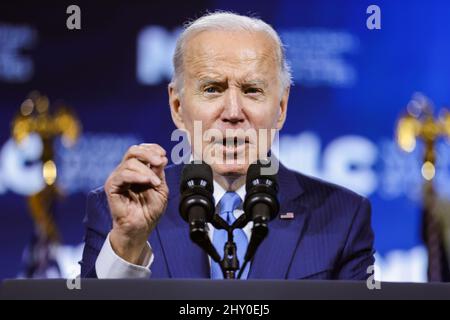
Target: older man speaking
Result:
[230, 76]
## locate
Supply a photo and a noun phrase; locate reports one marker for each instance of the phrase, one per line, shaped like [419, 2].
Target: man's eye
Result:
[211, 90]
[252, 90]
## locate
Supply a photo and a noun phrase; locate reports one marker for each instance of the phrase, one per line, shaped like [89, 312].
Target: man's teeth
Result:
[233, 142]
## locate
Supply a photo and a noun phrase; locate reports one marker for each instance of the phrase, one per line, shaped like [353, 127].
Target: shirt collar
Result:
[219, 191]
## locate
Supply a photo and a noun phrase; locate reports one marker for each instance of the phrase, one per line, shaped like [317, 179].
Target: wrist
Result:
[131, 249]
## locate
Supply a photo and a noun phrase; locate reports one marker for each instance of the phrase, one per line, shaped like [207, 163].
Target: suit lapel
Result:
[184, 259]
[275, 254]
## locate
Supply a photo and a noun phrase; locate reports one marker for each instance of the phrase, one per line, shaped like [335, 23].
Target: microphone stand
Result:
[199, 235]
[230, 262]
[259, 233]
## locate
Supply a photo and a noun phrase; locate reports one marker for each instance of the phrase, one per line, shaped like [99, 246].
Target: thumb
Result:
[159, 170]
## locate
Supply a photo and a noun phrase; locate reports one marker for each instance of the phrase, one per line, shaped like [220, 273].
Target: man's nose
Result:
[233, 109]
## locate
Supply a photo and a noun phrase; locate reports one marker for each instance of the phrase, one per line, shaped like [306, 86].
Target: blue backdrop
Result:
[351, 85]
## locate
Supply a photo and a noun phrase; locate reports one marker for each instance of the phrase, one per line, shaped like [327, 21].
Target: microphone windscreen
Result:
[254, 172]
[195, 171]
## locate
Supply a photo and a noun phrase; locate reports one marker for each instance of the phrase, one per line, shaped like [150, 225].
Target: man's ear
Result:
[175, 106]
[283, 108]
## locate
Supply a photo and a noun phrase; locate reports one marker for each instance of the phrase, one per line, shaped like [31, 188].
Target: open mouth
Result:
[233, 144]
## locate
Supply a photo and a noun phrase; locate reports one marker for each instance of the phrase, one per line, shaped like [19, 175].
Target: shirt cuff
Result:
[110, 266]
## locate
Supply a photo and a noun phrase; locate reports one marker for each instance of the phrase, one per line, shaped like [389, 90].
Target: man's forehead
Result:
[210, 51]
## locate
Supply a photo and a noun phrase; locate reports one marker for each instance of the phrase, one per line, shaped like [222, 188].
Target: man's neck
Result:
[231, 182]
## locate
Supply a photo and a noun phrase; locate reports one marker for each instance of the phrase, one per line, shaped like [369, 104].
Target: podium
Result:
[219, 290]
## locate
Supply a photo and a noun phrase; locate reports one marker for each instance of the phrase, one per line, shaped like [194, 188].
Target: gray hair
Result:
[229, 21]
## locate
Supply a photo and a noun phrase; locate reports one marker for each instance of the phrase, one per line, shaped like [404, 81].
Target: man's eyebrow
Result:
[208, 81]
[205, 81]
[253, 82]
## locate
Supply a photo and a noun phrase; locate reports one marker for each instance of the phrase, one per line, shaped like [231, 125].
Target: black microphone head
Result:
[197, 174]
[255, 177]
[197, 188]
[261, 193]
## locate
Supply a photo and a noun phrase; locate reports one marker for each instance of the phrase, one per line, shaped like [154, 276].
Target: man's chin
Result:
[233, 169]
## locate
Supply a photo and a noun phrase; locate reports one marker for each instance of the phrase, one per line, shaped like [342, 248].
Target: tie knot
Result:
[229, 202]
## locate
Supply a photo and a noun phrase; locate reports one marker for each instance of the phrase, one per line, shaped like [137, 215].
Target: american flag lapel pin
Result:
[287, 216]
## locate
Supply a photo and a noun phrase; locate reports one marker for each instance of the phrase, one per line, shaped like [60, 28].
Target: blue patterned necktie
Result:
[229, 202]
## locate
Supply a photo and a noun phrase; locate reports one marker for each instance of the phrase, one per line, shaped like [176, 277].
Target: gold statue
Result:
[36, 118]
[420, 124]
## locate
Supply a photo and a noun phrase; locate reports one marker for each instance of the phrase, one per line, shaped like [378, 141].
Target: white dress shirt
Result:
[110, 266]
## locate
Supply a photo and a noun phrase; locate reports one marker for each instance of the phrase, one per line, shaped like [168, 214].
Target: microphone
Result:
[261, 205]
[197, 204]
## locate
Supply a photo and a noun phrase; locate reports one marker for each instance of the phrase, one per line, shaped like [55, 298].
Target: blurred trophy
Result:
[35, 117]
[420, 124]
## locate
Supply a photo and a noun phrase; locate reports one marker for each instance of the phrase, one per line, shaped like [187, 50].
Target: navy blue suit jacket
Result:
[330, 236]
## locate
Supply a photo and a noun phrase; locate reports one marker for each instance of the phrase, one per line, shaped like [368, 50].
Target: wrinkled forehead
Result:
[231, 54]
